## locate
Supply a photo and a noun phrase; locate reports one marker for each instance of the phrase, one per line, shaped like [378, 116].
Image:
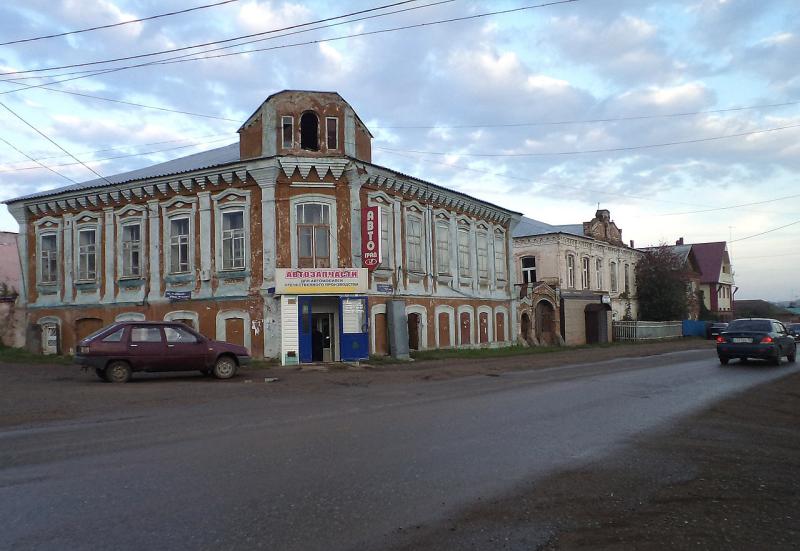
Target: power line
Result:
[116, 157]
[186, 57]
[729, 207]
[150, 18]
[184, 48]
[588, 151]
[765, 232]
[12, 146]
[45, 136]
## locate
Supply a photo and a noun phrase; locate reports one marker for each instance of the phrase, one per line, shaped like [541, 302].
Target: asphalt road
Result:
[344, 467]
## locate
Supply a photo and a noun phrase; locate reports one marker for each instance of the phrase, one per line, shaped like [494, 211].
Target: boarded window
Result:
[288, 132]
[332, 132]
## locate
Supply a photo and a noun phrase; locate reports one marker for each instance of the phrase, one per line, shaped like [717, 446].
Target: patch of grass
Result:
[20, 355]
[264, 363]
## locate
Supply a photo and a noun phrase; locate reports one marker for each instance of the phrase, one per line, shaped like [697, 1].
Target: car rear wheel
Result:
[793, 356]
[777, 359]
[724, 360]
[225, 368]
[118, 372]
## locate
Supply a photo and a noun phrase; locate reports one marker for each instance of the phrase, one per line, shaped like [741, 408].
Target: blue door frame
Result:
[304, 328]
[354, 346]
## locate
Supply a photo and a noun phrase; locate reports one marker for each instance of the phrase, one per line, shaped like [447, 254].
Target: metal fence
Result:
[646, 330]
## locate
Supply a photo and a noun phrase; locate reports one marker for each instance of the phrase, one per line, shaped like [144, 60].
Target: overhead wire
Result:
[41, 165]
[119, 24]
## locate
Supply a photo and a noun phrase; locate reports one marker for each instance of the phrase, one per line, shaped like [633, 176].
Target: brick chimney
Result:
[632, 247]
[679, 241]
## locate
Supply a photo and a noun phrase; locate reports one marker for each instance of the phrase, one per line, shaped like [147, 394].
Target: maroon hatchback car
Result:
[120, 349]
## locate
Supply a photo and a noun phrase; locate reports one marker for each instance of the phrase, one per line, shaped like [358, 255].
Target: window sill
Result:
[233, 274]
[47, 288]
[130, 282]
[179, 278]
[86, 285]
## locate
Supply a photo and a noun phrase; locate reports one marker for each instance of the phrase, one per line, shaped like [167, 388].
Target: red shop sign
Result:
[371, 237]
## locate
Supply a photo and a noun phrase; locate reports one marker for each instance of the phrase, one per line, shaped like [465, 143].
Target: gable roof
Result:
[710, 257]
[529, 226]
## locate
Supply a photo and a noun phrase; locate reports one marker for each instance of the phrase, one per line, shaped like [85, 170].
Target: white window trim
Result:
[570, 276]
[613, 276]
[327, 145]
[464, 225]
[80, 223]
[482, 232]
[130, 316]
[501, 235]
[423, 323]
[55, 228]
[222, 205]
[598, 274]
[187, 208]
[333, 242]
[121, 220]
[524, 270]
[184, 314]
[388, 208]
[471, 311]
[586, 272]
[451, 312]
[224, 315]
[489, 325]
[502, 310]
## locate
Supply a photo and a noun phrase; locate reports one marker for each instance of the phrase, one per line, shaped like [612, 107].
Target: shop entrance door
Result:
[322, 338]
[354, 329]
[304, 329]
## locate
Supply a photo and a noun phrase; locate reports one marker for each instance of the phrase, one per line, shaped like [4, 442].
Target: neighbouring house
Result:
[12, 314]
[685, 254]
[574, 280]
[290, 242]
[717, 284]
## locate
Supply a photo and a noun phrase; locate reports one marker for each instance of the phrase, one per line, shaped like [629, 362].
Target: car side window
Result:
[177, 334]
[116, 336]
[780, 328]
[145, 334]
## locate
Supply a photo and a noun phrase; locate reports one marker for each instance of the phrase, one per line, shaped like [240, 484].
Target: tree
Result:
[661, 281]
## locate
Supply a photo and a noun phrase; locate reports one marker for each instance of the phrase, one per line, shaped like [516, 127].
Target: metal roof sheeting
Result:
[529, 226]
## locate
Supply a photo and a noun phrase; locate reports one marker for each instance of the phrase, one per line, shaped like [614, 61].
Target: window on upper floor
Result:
[179, 245]
[233, 241]
[612, 272]
[570, 271]
[309, 131]
[499, 256]
[443, 247]
[528, 269]
[627, 280]
[332, 132]
[131, 250]
[585, 282]
[464, 254]
[313, 235]
[87, 254]
[483, 254]
[414, 243]
[287, 124]
[598, 274]
[48, 258]
[387, 248]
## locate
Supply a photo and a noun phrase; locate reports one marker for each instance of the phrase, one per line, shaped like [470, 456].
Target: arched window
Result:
[612, 270]
[570, 271]
[309, 131]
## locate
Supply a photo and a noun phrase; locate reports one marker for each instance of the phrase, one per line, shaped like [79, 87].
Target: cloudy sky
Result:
[681, 117]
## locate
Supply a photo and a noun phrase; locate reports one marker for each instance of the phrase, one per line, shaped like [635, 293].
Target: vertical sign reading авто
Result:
[371, 237]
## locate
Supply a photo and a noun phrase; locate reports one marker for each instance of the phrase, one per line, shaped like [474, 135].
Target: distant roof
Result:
[205, 159]
[681, 251]
[529, 226]
[709, 259]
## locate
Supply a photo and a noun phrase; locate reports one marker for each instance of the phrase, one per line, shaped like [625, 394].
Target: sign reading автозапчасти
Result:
[306, 281]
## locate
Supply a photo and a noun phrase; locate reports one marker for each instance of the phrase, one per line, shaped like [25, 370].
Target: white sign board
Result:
[316, 281]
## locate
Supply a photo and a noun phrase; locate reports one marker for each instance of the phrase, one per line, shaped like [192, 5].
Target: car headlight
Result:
[83, 350]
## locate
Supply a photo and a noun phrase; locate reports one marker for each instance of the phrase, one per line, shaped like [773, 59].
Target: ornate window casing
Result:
[482, 244]
[500, 263]
[415, 239]
[87, 241]
[571, 271]
[528, 269]
[287, 132]
[464, 250]
[232, 230]
[585, 274]
[442, 231]
[332, 133]
[386, 205]
[612, 269]
[627, 273]
[48, 251]
[313, 221]
[180, 235]
[598, 274]
[131, 223]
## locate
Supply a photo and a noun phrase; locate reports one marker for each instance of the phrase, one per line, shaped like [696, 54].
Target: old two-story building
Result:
[290, 242]
[12, 314]
[717, 285]
[574, 280]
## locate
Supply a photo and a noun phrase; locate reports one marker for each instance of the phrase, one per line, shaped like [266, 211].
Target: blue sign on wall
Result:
[385, 288]
[178, 295]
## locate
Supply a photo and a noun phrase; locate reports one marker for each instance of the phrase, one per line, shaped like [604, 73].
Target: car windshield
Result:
[750, 325]
[102, 330]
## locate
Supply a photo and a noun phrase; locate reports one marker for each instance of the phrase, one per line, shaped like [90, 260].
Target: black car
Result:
[767, 339]
[715, 329]
[794, 331]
